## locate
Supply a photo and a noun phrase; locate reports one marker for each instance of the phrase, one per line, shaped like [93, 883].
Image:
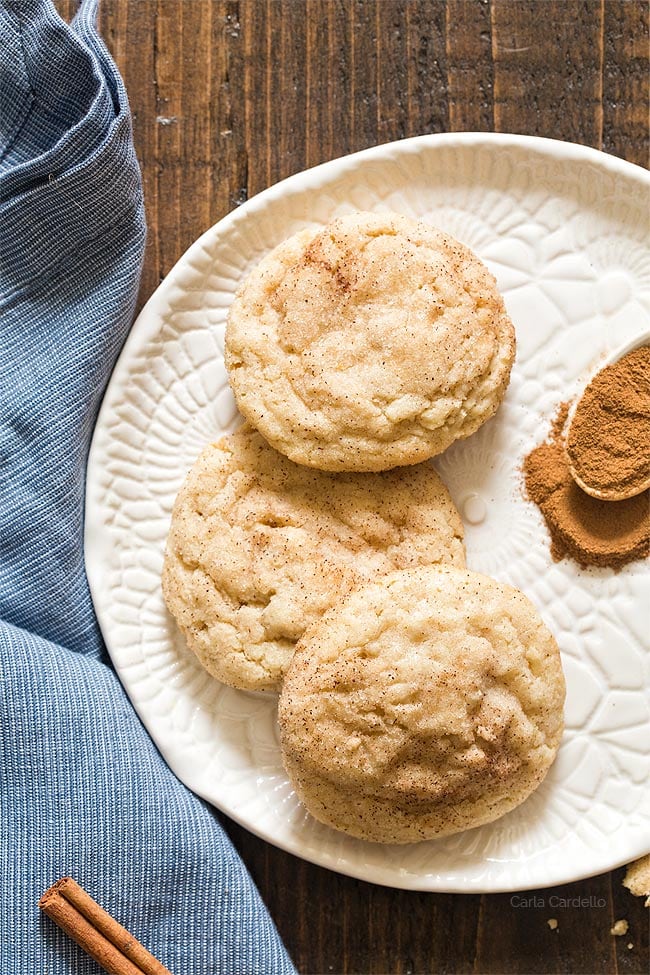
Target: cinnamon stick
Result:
[94, 930]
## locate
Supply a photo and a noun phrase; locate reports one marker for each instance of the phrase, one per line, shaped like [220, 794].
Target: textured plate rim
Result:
[146, 326]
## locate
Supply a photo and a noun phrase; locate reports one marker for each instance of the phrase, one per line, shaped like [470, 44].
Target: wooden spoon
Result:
[614, 493]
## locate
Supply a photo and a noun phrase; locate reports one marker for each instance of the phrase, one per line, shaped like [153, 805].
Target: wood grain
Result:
[470, 68]
[547, 68]
[229, 97]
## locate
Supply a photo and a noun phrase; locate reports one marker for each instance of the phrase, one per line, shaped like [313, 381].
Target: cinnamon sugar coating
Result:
[372, 343]
[423, 704]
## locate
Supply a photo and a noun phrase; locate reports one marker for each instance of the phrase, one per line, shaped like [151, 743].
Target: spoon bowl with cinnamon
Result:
[608, 433]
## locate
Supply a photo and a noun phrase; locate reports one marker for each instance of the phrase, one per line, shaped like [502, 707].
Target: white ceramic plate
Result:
[565, 230]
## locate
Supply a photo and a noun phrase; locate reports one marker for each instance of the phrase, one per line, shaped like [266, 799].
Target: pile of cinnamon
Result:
[610, 446]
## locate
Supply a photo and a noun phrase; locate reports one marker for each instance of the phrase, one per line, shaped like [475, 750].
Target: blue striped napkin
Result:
[83, 790]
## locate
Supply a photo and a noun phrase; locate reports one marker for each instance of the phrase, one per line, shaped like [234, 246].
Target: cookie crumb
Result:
[620, 928]
[637, 878]
[630, 945]
[552, 923]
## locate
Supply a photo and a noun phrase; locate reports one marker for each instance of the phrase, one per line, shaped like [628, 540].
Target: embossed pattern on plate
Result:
[565, 231]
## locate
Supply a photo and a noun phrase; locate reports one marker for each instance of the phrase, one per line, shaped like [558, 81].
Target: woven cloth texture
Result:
[83, 790]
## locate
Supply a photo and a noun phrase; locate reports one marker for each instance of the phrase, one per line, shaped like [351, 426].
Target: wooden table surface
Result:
[229, 97]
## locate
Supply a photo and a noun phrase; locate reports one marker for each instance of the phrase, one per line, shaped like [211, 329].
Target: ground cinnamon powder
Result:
[593, 532]
[608, 441]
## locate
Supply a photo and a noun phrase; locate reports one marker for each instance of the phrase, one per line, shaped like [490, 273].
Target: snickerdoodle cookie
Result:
[425, 703]
[260, 547]
[373, 342]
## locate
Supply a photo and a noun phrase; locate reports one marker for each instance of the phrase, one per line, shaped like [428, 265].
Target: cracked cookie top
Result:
[425, 703]
[372, 343]
[260, 547]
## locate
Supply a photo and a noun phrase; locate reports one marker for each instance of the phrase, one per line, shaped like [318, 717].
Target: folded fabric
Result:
[83, 790]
